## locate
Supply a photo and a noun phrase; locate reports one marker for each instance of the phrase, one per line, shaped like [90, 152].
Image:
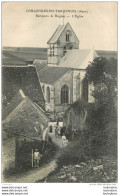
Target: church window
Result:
[48, 94]
[52, 50]
[68, 36]
[64, 50]
[64, 94]
[85, 90]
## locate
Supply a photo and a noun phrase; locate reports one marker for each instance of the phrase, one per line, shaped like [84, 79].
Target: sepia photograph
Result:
[59, 92]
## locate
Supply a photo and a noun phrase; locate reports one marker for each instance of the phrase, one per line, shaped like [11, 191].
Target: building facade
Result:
[59, 69]
[63, 79]
[62, 40]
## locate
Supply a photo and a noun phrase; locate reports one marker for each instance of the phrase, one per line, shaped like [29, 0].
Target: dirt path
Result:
[57, 141]
[40, 173]
[33, 175]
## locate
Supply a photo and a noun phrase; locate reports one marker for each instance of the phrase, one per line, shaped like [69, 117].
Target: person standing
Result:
[36, 158]
[50, 128]
[64, 139]
[59, 131]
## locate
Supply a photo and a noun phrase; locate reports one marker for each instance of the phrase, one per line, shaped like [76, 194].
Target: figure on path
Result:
[64, 139]
[57, 131]
[36, 158]
[50, 128]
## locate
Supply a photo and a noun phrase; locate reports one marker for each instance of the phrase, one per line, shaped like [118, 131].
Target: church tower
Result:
[62, 40]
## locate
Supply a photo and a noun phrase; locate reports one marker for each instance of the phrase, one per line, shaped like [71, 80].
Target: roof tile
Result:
[51, 74]
[75, 59]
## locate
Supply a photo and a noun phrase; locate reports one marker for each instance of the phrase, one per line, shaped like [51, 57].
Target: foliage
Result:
[102, 117]
[103, 74]
[79, 106]
[98, 70]
[99, 133]
[95, 69]
[74, 153]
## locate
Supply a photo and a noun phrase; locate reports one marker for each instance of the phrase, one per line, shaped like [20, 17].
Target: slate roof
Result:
[51, 74]
[39, 64]
[107, 54]
[15, 101]
[25, 78]
[24, 116]
[75, 58]
[79, 59]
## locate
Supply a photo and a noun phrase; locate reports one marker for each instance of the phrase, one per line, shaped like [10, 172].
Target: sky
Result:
[95, 23]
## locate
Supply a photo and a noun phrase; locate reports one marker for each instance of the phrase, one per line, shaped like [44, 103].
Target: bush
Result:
[74, 153]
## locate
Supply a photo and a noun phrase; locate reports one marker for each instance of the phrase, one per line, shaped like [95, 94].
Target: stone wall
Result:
[8, 153]
[49, 106]
[73, 39]
[82, 75]
[76, 85]
[61, 108]
[74, 119]
[74, 80]
[64, 80]
[59, 47]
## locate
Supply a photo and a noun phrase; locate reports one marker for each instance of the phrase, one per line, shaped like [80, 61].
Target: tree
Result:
[103, 74]
[102, 117]
[100, 68]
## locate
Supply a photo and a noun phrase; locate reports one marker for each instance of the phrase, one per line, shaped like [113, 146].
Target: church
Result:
[53, 77]
[40, 84]
[63, 79]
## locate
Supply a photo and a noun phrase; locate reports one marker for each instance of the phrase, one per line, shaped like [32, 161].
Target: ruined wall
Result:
[91, 99]
[74, 119]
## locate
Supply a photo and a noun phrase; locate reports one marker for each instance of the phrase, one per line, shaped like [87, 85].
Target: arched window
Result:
[64, 94]
[65, 50]
[67, 37]
[48, 94]
[85, 90]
